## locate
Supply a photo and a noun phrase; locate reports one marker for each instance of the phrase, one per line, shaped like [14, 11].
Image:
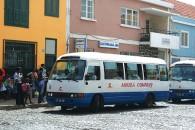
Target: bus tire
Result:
[176, 100]
[64, 108]
[149, 101]
[96, 103]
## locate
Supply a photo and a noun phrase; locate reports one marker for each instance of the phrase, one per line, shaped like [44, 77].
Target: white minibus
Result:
[92, 79]
[182, 80]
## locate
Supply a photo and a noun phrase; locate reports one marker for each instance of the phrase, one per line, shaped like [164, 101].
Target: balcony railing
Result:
[145, 35]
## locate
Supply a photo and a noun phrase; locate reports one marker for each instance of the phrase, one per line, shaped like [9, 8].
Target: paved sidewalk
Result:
[11, 104]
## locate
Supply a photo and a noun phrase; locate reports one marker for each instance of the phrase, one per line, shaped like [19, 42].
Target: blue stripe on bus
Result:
[109, 98]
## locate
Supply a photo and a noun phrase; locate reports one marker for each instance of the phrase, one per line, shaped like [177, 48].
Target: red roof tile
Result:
[183, 9]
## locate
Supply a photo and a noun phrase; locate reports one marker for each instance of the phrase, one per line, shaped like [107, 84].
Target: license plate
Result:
[180, 94]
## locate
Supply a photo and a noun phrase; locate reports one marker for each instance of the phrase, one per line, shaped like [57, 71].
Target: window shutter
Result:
[25, 13]
[8, 13]
[47, 7]
[17, 12]
[56, 8]
[52, 8]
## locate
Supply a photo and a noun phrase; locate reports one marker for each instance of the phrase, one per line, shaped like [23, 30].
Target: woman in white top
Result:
[18, 76]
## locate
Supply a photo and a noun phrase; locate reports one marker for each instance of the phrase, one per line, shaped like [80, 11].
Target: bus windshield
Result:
[68, 70]
[182, 73]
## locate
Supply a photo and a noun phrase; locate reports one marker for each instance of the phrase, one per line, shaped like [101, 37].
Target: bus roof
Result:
[113, 57]
[192, 62]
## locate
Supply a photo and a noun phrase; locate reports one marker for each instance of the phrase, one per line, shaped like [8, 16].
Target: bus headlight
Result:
[170, 91]
[77, 95]
[50, 94]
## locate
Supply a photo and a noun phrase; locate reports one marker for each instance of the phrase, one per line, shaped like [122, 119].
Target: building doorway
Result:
[50, 53]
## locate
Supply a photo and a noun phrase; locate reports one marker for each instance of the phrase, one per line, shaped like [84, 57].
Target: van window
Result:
[163, 73]
[151, 72]
[113, 70]
[94, 72]
[131, 71]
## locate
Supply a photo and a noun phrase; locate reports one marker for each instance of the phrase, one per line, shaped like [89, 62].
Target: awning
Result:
[158, 12]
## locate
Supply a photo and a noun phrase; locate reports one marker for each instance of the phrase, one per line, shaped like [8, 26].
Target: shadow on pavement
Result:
[105, 110]
[183, 102]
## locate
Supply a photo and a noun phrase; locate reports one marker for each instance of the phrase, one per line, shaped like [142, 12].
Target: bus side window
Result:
[140, 71]
[163, 73]
[120, 72]
[151, 72]
[113, 70]
[97, 72]
[94, 72]
[131, 71]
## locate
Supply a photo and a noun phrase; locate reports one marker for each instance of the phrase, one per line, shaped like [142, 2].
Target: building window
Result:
[129, 17]
[129, 53]
[19, 53]
[52, 8]
[16, 13]
[87, 9]
[184, 39]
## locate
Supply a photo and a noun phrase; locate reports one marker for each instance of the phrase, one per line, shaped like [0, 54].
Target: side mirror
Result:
[87, 77]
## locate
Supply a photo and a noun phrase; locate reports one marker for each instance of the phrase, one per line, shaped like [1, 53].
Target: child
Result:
[26, 88]
[3, 89]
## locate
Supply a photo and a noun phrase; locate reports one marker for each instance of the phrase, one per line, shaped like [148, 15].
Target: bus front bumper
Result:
[70, 102]
[182, 94]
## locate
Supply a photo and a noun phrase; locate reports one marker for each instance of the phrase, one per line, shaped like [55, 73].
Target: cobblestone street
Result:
[162, 116]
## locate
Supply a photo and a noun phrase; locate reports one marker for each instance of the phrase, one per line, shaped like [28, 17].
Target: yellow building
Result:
[32, 32]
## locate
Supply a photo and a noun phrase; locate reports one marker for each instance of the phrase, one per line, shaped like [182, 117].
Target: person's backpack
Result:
[2, 75]
[24, 87]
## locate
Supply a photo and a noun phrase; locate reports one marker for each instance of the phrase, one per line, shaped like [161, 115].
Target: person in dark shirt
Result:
[41, 85]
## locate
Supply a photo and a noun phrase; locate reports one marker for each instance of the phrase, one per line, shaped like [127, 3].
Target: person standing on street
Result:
[18, 76]
[33, 79]
[2, 87]
[41, 85]
[44, 73]
[26, 88]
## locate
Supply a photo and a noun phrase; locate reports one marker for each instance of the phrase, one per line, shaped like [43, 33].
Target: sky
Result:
[192, 2]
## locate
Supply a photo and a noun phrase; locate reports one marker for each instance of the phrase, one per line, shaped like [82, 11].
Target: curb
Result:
[15, 107]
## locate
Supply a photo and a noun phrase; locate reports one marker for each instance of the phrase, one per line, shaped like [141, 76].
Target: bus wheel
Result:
[64, 108]
[176, 100]
[149, 101]
[95, 104]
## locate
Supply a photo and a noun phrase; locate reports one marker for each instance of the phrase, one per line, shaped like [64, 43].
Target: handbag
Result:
[36, 94]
